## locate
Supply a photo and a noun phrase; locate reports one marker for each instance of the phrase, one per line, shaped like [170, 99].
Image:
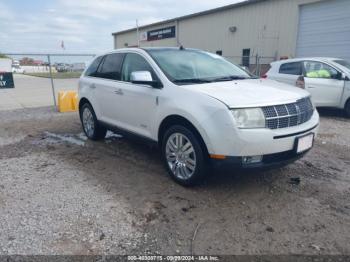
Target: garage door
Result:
[324, 29]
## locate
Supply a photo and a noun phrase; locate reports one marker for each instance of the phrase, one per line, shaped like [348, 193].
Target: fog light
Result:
[251, 159]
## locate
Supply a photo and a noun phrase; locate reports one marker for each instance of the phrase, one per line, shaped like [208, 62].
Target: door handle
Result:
[92, 86]
[119, 92]
[312, 87]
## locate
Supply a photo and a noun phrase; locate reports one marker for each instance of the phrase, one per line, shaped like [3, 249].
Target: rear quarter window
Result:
[294, 68]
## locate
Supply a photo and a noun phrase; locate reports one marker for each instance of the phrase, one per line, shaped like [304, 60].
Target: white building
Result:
[269, 28]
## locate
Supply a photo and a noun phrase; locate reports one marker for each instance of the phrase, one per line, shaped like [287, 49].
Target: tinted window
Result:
[110, 67]
[291, 68]
[133, 63]
[91, 71]
[314, 69]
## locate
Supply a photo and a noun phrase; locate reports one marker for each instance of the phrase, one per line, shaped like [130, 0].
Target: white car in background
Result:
[17, 69]
[326, 79]
[197, 107]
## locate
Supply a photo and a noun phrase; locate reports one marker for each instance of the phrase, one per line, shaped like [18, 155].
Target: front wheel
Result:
[91, 126]
[183, 155]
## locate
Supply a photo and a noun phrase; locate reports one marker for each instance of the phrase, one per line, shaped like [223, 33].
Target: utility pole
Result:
[52, 85]
[137, 33]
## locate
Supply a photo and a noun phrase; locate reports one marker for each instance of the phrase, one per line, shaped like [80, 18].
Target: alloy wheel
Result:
[88, 122]
[180, 156]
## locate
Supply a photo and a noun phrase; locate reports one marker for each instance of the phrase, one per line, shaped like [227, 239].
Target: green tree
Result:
[3, 56]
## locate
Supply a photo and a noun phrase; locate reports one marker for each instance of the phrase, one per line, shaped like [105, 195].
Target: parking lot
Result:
[62, 194]
[32, 91]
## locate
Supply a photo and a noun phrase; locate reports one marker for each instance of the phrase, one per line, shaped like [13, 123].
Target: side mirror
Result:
[144, 78]
[300, 82]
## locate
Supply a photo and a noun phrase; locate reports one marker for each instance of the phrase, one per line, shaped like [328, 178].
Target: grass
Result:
[56, 75]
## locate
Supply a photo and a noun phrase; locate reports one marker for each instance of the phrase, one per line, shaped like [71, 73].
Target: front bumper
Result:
[276, 147]
[253, 142]
[268, 161]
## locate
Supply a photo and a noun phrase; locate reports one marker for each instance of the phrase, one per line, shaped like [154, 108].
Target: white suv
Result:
[326, 79]
[198, 108]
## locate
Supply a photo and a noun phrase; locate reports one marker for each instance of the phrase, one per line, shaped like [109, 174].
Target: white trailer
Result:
[6, 77]
[5, 65]
[76, 67]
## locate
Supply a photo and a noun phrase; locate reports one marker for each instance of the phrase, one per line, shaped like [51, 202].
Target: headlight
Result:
[249, 117]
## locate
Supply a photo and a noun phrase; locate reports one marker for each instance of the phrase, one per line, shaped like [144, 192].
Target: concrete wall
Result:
[268, 28]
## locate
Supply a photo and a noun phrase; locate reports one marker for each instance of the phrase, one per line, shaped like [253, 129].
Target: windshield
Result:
[188, 66]
[343, 63]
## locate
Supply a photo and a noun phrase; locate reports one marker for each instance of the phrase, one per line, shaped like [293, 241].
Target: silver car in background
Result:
[326, 79]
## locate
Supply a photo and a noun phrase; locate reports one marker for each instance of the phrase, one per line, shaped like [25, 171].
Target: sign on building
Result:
[162, 33]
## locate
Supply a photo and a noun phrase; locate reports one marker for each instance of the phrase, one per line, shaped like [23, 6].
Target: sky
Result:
[85, 26]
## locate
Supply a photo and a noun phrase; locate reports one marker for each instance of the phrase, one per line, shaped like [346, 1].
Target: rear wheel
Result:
[347, 108]
[92, 128]
[183, 155]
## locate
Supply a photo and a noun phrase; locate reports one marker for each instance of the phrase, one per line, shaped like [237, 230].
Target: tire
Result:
[187, 166]
[92, 128]
[347, 108]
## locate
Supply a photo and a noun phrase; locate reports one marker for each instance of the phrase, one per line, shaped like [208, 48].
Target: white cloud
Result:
[5, 13]
[105, 9]
[85, 25]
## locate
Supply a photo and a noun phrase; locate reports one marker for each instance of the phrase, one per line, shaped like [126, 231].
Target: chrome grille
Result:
[287, 115]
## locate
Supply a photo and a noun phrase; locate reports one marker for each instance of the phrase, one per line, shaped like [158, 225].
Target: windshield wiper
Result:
[210, 80]
[192, 80]
[229, 78]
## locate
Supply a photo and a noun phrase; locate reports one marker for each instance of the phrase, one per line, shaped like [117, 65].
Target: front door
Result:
[138, 103]
[324, 83]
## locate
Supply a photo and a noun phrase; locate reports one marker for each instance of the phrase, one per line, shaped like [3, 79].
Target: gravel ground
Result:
[63, 194]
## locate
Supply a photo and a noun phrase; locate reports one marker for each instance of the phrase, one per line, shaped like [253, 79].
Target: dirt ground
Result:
[62, 194]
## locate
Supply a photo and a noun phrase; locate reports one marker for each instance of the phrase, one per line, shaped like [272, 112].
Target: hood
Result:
[251, 92]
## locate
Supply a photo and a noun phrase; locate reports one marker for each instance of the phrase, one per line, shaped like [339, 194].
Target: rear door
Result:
[107, 85]
[87, 87]
[289, 72]
[324, 83]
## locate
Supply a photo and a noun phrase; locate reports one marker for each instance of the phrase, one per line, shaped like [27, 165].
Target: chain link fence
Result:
[39, 77]
[257, 65]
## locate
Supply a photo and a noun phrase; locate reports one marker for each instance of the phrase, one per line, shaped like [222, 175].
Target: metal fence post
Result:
[52, 85]
[256, 64]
